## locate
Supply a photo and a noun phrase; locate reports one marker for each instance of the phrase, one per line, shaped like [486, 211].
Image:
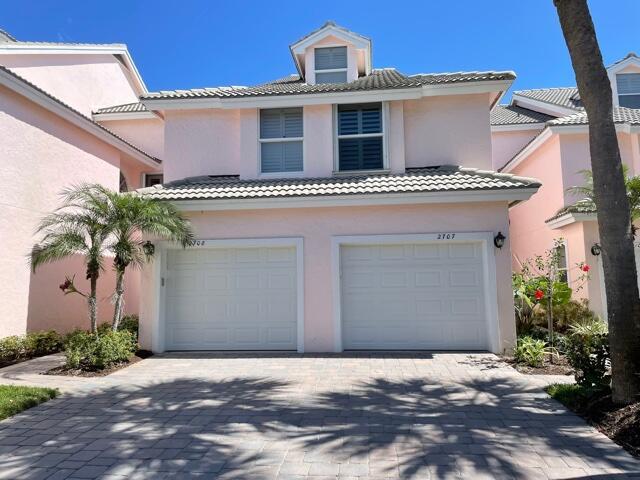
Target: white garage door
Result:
[231, 299]
[422, 296]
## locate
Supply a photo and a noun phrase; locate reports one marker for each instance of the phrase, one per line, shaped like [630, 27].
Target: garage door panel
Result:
[422, 296]
[231, 299]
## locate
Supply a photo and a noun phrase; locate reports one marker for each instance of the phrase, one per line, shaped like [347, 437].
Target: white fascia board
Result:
[103, 117]
[11, 48]
[621, 64]
[517, 127]
[569, 218]
[356, 200]
[273, 101]
[355, 39]
[528, 150]
[542, 107]
[73, 117]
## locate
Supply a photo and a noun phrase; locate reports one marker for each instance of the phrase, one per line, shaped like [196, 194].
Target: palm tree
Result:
[76, 228]
[130, 218]
[632, 186]
[612, 203]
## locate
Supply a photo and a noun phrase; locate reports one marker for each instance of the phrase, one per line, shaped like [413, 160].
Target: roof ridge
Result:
[544, 88]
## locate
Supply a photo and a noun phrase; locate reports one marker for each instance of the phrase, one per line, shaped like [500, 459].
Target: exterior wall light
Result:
[148, 248]
[499, 239]
[596, 249]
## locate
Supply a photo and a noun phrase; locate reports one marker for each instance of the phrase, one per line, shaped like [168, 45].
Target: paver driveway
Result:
[289, 416]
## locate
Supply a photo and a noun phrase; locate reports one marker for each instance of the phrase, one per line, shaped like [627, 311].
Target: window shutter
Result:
[292, 120]
[359, 119]
[360, 153]
[628, 83]
[270, 124]
[284, 156]
[330, 58]
[331, 77]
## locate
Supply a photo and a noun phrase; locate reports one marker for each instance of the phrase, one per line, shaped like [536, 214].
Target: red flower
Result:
[539, 294]
[65, 286]
[585, 268]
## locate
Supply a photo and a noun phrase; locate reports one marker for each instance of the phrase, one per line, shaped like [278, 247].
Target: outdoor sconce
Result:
[149, 248]
[596, 249]
[499, 239]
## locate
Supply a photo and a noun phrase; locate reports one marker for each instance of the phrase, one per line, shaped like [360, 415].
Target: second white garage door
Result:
[231, 299]
[418, 296]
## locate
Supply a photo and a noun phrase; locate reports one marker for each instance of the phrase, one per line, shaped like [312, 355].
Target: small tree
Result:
[129, 218]
[540, 283]
[76, 228]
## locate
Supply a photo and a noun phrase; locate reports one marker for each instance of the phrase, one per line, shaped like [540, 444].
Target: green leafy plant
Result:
[12, 349]
[96, 351]
[587, 349]
[530, 351]
[34, 344]
[130, 323]
[43, 343]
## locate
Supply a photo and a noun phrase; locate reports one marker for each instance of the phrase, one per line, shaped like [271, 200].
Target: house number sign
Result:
[446, 236]
[197, 243]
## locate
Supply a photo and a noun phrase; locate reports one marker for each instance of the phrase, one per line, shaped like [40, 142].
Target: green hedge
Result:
[35, 344]
[89, 351]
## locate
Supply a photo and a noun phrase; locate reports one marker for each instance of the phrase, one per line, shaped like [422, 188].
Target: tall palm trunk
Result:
[92, 301]
[119, 298]
[614, 221]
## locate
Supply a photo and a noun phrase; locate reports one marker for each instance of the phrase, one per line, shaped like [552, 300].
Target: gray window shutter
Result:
[628, 83]
[331, 77]
[285, 156]
[330, 58]
[281, 123]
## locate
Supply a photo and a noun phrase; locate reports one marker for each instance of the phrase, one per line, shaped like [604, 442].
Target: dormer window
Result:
[331, 65]
[628, 89]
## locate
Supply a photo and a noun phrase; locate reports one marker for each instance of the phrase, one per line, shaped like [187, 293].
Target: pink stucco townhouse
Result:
[50, 139]
[544, 133]
[343, 207]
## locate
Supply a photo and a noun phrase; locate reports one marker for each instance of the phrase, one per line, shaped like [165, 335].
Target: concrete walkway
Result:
[289, 416]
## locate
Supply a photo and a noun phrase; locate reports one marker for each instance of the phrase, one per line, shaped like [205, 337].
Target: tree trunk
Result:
[119, 299]
[612, 205]
[93, 304]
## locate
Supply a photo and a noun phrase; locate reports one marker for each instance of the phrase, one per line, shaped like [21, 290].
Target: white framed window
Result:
[330, 64]
[628, 89]
[281, 140]
[360, 137]
[151, 179]
[563, 270]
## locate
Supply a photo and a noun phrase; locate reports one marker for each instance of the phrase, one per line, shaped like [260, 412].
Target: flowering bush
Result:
[587, 349]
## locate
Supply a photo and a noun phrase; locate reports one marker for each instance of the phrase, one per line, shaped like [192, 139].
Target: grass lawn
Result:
[14, 399]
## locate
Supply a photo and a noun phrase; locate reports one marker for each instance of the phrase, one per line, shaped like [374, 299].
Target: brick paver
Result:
[288, 416]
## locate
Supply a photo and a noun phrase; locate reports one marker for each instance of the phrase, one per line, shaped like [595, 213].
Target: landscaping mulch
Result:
[78, 372]
[560, 366]
[620, 424]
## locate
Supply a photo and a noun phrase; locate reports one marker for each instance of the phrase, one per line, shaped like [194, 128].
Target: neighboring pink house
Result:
[344, 207]
[48, 142]
[544, 134]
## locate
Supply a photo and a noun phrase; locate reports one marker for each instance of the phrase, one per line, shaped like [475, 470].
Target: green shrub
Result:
[130, 324]
[530, 351]
[89, 351]
[43, 343]
[564, 315]
[12, 349]
[574, 397]
[587, 349]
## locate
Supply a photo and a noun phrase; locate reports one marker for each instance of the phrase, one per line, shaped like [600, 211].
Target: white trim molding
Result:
[104, 117]
[117, 50]
[569, 218]
[159, 322]
[489, 273]
[517, 127]
[542, 107]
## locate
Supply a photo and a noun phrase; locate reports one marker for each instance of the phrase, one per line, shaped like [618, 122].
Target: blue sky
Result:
[193, 44]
